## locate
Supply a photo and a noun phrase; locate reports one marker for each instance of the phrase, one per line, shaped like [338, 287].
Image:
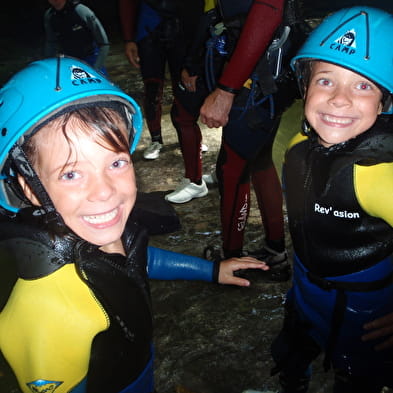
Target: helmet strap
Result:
[306, 128]
[387, 104]
[25, 169]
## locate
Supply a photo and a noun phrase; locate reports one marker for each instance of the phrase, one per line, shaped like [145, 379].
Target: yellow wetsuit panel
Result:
[209, 4]
[374, 190]
[56, 314]
[299, 137]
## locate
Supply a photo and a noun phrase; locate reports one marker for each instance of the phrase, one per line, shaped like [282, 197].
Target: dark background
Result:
[22, 20]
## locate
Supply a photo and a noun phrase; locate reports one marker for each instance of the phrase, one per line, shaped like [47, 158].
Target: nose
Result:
[100, 188]
[340, 97]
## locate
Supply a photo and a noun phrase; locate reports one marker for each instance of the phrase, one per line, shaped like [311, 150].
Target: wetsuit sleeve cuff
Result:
[169, 265]
[227, 88]
[216, 271]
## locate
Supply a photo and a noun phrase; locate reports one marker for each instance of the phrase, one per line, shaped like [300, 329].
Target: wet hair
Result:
[101, 122]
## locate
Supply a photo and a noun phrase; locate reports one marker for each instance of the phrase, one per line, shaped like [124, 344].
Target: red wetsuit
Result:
[246, 150]
[143, 22]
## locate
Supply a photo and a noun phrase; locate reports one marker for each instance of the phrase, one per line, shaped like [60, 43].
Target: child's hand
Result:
[229, 266]
[380, 327]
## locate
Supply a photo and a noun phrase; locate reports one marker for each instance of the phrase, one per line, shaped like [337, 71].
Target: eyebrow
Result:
[62, 168]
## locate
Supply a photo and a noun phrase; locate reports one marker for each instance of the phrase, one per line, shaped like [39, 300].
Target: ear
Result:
[380, 108]
[28, 191]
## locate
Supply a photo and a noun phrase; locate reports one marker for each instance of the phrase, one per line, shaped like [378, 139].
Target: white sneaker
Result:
[204, 148]
[210, 179]
[153, 151]
[187, 191]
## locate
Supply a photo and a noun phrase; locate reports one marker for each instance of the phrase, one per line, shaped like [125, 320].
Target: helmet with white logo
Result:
[41, 91]
[356, 38]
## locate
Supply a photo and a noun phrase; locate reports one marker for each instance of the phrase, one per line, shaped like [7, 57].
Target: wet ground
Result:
[208, 338]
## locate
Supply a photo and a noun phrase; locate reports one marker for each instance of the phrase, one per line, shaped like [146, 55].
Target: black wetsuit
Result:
[76, 31]
[163, 31]
[340, 218]
[74, 319]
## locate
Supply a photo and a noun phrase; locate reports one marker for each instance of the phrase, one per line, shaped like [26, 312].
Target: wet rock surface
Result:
[209, 338]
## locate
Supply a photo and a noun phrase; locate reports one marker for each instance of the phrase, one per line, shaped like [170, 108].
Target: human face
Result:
[91, 186]
[57, 4]
[340, 104]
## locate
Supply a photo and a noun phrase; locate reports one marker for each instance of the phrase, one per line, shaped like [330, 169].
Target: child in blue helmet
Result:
[76, 315]
[338, 179]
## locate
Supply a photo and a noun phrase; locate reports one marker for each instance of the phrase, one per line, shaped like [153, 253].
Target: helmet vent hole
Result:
[4, 132]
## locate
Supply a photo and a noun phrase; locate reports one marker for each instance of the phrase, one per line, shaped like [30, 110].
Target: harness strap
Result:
[337, 320]
[25, 168]
[328, 285]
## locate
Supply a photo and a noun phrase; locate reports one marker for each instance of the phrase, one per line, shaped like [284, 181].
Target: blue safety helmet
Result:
[43, 90]
[357, 38]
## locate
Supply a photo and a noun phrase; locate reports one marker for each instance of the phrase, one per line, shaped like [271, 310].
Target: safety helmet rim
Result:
[14, 130]
[318, 46]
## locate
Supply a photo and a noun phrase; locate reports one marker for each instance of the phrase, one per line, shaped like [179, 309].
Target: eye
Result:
[121, 163]
[71, 175]
[364, 86]
[324, 82]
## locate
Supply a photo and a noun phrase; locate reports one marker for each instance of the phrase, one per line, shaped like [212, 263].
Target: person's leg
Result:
[245, 134]
[184, 116]
[293, 351]
[234, 186]
[268, 192]
[152, 105]
[190, 137]
[152, 63]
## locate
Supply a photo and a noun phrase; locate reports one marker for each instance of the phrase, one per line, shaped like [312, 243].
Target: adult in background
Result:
[251, 94]
[157, 34]
[74, 30]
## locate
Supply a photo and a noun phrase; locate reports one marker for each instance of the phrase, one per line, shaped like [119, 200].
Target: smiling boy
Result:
[76, 314]
[338, 180]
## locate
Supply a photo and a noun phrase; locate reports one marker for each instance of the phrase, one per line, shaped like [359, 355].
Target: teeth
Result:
[102, 218]
[337, 120]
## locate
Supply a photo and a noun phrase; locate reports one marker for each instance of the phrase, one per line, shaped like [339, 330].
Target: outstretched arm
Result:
[229, 266]
[169, 265]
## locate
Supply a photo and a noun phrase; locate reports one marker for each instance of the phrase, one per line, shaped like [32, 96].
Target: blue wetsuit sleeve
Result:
[169, 265]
